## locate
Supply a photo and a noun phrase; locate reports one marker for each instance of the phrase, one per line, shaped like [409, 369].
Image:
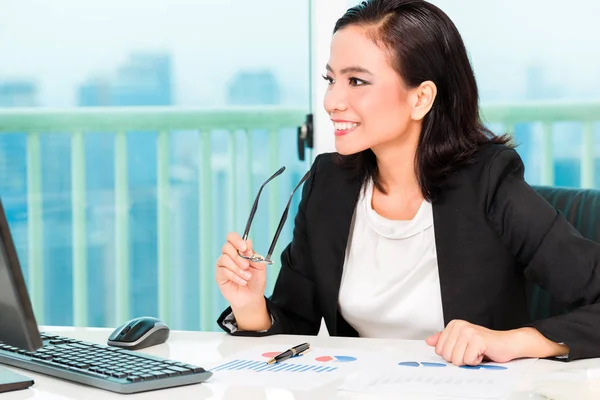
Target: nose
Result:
[335, 99]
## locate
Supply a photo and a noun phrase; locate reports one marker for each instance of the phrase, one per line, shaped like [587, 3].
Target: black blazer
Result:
[492, 233]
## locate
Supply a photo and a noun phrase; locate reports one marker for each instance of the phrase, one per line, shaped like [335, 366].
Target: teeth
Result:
[344, 126]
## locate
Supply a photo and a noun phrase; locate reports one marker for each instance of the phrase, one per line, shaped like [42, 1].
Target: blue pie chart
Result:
[336, 359]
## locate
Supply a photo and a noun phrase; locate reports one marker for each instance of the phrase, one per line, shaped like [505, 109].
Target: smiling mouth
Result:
[342, 128]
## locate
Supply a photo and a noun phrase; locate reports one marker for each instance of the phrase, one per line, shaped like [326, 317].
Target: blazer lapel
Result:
[332, 215]
[457, 251]
[442, 217]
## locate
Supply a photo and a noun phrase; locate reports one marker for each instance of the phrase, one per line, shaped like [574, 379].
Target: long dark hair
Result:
[425, 45]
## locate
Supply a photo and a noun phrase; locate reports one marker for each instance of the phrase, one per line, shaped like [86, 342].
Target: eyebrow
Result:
[353, 68]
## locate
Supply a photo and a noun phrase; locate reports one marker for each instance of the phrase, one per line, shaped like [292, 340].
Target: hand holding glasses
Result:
[255, 258]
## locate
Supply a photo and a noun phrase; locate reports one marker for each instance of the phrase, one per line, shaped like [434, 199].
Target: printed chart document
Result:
[418, 372]
[311, 370]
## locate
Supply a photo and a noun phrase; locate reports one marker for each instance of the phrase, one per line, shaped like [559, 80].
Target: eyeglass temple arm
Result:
[284, 216]
[255, 205]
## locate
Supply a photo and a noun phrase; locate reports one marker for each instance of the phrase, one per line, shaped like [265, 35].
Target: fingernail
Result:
[247, 275]
[243, 247]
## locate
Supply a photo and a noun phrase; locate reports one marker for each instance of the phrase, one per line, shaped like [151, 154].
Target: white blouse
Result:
[390, 284]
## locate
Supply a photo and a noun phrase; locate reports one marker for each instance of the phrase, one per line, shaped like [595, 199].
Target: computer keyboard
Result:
[102, 366]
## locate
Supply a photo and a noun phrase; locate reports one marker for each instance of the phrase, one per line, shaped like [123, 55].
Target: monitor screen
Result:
[17, 323]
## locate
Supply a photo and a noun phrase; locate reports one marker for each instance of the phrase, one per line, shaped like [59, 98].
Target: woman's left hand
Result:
[463, 343]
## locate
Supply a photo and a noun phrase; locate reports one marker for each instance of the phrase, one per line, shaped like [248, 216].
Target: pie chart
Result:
[335, 359]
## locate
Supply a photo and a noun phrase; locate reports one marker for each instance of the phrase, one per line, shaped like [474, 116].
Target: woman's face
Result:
[367, 99]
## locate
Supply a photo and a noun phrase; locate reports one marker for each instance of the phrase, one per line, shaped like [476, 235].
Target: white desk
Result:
[203, 348]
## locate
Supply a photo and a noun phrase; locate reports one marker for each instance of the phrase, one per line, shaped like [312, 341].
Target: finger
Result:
[230, 251]
[450, 342]
[237, 242]
[258, 266]
[458, 353]
[225, 275]
[441, 344]
[433, 339]
[226, 262]
[249, 251]
[474, 353]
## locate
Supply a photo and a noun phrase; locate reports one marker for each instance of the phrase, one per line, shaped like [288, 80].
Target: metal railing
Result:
[119, 121]
[548, 114]
[36, 122]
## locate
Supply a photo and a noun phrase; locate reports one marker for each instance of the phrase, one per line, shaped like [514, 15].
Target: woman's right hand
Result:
[241, 282]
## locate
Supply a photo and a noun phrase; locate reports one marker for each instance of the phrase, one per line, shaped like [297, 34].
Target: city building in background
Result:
[145, 79]
[250, 88]
[18, 94]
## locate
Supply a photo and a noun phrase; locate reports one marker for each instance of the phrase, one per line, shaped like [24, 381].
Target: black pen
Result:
[294, 351]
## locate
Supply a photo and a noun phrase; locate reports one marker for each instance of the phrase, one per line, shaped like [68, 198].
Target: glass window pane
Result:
[173, 112]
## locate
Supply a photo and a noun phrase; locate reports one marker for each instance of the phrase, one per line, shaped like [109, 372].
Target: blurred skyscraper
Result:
[251, 88]
[18, 94]
[144, 80]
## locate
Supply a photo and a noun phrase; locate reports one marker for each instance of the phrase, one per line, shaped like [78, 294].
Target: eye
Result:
[328, 79]
[357, 82]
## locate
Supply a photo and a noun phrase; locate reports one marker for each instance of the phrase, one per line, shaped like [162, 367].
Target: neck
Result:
[396, 163]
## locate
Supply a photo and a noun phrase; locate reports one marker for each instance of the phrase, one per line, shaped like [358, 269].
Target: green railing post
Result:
[164, 231]
[121, 229]
[275, 209]
[232, 189]
[78, 229]
[35, 239]
[510, 128]
[207, 283]
[547, 155]
[587, 156]
[249, 173]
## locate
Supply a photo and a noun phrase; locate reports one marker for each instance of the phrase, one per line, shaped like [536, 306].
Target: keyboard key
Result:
[194, 368]
[183, 371]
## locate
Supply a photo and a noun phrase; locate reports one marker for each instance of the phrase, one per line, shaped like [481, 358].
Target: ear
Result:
[424, 96]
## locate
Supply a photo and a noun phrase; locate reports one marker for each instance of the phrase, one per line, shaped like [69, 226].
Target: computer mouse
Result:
[139, 333]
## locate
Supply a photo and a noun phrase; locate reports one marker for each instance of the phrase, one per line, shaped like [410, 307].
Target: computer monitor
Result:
[18, 327]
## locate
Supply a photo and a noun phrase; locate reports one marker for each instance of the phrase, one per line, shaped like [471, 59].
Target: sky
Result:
[503, 37]
[62, 43]
[67, 41]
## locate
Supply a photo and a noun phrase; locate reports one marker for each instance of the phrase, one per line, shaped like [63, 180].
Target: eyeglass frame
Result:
[255, 257]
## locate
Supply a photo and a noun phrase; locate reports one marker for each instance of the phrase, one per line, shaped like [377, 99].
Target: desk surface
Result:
[204, 348]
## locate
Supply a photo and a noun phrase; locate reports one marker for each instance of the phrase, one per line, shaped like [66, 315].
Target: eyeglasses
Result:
[255, 257]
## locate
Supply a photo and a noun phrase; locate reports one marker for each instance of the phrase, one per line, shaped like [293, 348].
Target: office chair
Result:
[581, 207]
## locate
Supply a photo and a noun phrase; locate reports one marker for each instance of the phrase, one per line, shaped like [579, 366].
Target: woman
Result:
[421, 225]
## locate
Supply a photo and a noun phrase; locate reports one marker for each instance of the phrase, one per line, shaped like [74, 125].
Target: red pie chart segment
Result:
[271, 354]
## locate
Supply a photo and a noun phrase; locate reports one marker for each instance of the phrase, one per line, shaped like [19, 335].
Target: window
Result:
[114, 220]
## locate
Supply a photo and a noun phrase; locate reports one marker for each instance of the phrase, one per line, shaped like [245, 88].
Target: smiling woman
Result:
[387, 70]
[420, 225]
